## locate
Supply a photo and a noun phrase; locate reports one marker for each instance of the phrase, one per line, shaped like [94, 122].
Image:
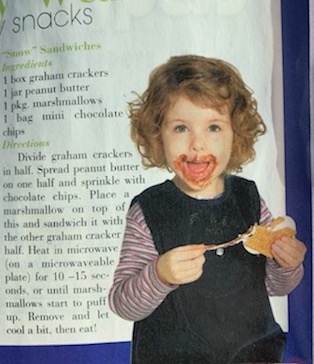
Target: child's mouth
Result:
[197, 169]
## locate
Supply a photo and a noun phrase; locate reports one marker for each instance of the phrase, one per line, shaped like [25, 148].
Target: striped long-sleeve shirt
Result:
[137, 290]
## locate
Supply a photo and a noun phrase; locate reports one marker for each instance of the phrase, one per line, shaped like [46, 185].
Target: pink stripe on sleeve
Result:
[279, 281]
[137, 291]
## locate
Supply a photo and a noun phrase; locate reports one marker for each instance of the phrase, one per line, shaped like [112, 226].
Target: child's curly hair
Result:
[209, 81]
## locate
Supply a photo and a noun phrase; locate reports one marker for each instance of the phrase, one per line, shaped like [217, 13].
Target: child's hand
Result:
[288, 252]
[181, 265]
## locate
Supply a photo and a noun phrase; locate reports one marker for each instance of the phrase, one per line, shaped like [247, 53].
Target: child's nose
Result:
[198, 142]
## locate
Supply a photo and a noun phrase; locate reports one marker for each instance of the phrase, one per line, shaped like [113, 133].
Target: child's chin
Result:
[192, 184]
[198, 182]
[197, 185]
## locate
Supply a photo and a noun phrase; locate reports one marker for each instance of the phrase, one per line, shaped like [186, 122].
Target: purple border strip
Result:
[295, 38]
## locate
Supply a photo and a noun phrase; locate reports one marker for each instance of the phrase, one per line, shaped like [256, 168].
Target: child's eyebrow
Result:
[181, 120]
[222, 120]
[178, 120]
[171, 120]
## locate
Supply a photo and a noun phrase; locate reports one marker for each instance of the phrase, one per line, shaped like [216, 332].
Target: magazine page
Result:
[69, 169]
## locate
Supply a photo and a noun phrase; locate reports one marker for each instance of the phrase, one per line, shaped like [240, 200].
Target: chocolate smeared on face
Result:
[196, 170]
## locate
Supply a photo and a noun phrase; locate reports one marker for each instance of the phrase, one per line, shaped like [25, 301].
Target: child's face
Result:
[197, 142]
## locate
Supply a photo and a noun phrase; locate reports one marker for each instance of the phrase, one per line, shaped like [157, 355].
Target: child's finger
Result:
[189, 271]
[177, 264]
[291, 246]
[288, 252]
[189, 252]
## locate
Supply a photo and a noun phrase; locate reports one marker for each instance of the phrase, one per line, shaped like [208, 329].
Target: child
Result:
[198, 119]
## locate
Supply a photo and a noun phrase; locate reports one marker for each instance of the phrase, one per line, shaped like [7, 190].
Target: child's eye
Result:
[181, 128]
[213, 128]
